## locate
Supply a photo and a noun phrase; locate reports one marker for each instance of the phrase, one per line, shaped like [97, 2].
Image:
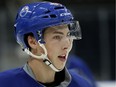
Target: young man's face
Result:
[58, 45]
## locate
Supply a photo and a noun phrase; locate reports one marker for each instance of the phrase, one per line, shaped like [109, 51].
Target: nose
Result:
[67, 43]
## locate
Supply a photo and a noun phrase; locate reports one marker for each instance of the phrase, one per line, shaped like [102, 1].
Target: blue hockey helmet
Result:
[34, 17]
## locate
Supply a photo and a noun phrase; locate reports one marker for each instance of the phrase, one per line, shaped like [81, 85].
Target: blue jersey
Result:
[19, 78]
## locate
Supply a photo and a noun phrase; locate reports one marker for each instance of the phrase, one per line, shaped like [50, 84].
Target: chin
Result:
[61, 67]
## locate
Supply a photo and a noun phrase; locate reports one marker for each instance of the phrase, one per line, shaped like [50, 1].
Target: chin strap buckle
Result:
[47, 62]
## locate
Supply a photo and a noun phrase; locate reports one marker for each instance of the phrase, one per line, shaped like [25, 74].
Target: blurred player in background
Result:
[45, 31]
[75, 63]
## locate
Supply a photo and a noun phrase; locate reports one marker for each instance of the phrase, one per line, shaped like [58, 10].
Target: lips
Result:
[62, 58]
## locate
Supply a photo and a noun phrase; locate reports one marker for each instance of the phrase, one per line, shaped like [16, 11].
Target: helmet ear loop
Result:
[42, 56]
[35, 56]
[43, 46]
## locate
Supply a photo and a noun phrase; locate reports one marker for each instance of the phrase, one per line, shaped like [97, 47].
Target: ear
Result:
[32, 42]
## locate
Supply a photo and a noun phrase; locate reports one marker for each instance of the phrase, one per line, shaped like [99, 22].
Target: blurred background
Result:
[97, 48]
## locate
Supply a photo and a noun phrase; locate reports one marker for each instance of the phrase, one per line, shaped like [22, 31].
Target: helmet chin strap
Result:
[43, 56]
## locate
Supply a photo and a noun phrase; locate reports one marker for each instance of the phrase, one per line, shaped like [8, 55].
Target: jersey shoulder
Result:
[17, 78]
[9, 77]
[10, 73]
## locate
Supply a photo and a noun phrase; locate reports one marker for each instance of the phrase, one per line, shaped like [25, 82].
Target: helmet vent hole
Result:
[47, 11]
[53, 16]
[45, 17]
[62, 20]
[71, 19]
[59, 8]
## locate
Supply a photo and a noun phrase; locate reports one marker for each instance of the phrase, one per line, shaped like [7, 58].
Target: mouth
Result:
[62, 58]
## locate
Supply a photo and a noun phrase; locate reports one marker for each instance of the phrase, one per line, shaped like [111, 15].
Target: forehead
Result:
[59, 28]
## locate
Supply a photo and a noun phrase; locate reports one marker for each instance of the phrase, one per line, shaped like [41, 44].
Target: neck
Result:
[42, 72]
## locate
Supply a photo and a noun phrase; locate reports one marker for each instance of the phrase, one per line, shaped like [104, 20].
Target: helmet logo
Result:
[24, 11]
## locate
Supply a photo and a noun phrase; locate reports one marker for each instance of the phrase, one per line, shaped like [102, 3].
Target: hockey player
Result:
[45, 31]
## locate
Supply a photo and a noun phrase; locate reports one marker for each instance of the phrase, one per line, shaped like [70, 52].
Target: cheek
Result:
[52, 49]
[70, 46]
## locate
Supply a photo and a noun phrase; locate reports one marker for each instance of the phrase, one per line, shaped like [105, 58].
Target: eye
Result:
[57, 37]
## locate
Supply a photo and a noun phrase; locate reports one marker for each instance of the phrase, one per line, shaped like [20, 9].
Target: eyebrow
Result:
[57, 32]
